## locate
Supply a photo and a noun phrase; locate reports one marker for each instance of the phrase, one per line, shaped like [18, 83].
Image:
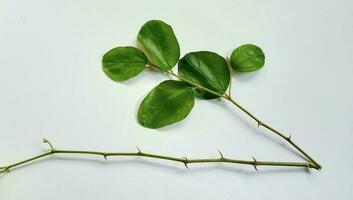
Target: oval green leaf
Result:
[170, 102]
[122, 63]
[247, 58]
[206, 69]
[158, 41]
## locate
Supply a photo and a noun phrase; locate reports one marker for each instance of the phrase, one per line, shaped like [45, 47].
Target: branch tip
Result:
[49, 143]
[313, 165]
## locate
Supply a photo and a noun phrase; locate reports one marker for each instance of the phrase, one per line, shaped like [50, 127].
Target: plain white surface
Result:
[52, 85]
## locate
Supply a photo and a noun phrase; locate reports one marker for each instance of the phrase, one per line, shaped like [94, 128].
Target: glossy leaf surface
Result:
[247, 58]
[158, 41]
[122, 63]
[170, 102]
[206, 69]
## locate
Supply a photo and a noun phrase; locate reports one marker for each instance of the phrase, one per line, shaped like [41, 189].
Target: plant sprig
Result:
[202, 74]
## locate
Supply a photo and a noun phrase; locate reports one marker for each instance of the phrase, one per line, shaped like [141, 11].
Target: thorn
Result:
[186, 162]
[138, 150]
[220, 153]
[47, 142]
[259, 124]
[290, 137]
[254, 159]
[105, 157]
[254, 164]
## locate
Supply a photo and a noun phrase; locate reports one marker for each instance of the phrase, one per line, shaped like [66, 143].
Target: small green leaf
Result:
[122, 63]
[170, 102]
[206, 69]
[247, 58]
[159, 43]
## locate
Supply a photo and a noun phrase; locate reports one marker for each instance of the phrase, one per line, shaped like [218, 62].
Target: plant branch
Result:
[139, 153]
[258, 121]
[261, 123]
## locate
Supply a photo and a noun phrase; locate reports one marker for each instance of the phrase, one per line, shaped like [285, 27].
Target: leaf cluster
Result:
[201, 74]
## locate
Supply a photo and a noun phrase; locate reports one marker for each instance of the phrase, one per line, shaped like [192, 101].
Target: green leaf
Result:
[170, 102]
[247, 58]
[206, 69]
[160, 44]
[122, 63]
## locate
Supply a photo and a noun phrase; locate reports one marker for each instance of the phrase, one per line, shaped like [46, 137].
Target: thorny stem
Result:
[258, 121]
[139, 153]
[287, 138]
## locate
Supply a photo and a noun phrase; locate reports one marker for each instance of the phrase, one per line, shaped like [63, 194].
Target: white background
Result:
[52, 86]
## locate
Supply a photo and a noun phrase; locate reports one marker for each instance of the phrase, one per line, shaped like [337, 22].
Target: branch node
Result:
[186, 161]
[255, 164]
[49, 143]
